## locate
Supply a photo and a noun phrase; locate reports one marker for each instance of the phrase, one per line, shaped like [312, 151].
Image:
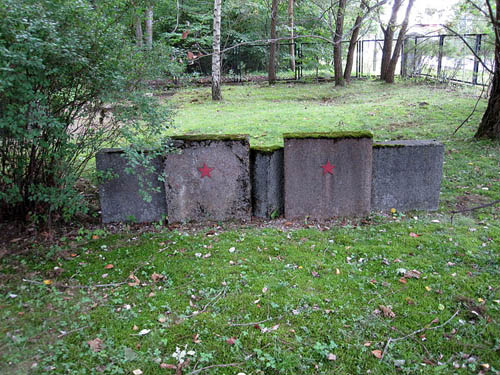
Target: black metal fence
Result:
[442, 57]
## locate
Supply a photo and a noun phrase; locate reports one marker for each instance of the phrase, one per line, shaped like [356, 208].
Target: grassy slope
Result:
[284, 275]
[395, 111]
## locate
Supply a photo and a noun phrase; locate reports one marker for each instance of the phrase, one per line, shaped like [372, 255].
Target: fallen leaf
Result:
[157, 277]
[169, 366]
[190, 55]
[95, 345]
[196, 338]
[413, 274]
[95, 237]
[387, 310]
[331, 357]
[207, 255]
[135, 328]
[315, 274]
[428, 288]
[414, 235]
[337, 271]
[403, 280]
[162, 319]
[185, 34]
[144, 332]
[47, 282]
[231, 340]
[377, 353]
[367, 344]
[109, 266]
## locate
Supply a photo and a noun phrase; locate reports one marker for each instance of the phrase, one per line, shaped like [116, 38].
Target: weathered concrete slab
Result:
[327, 174]
[407, 175]
[120, 196]
[209, 179]
[267, 178]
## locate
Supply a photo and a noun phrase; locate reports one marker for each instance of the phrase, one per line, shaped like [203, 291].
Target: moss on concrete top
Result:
[329, 135]
[406, 143]
[388, 145]
[211, 137]
[266, 148]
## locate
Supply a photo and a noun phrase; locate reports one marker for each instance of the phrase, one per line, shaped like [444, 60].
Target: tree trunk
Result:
[216, 58]
[149, 27]
[391, 68]
[292, 41]
[272, 48]
[388, 37]
[337, 45]
[352, 47]
[490, 123]
[138, 32]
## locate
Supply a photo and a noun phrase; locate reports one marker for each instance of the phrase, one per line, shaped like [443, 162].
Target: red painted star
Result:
[327, 168]
[205, 171]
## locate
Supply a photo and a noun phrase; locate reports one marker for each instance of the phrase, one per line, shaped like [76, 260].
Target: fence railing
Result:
[443, 57]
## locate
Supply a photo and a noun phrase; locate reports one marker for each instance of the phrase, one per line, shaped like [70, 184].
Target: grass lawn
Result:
[392, 293]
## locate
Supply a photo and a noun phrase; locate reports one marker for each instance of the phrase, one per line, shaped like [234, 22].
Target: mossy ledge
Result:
[329, 135]
[268, 149]
[388, 145]
[211, 137]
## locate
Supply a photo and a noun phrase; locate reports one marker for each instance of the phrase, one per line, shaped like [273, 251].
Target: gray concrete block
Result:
[407, 175]
[120, 196]
[327, 174]
[267, 178]
[209, 179]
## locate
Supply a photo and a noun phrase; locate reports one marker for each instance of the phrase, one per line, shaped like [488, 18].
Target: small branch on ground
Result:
[237, 364]
[251, 323]
[65, 333]
[76, 286]
[212, 302]
[420, 330]
[491, 204]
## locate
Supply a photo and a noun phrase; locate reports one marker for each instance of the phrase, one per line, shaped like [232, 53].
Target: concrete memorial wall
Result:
[120, 195]
[266, 176]
[407, 175]
[327, 174]
[315, 175]
[208, 179]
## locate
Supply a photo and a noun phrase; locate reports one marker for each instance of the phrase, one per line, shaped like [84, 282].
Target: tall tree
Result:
[291, 25]
[364, 10]
[216, 56]
[149, 26]
[391, 68]
[490, 123]
[272, 47]
[337, 43]
[388, 37]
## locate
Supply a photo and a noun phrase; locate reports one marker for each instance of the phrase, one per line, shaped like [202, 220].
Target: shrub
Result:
[61, 62]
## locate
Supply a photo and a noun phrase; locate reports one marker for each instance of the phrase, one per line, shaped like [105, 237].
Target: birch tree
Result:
[149, 26]
[216, 56]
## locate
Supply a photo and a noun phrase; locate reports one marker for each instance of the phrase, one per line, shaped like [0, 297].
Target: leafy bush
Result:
[63, 64]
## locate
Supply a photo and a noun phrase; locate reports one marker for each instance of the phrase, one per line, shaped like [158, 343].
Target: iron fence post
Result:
[440, 56]
[477, 49]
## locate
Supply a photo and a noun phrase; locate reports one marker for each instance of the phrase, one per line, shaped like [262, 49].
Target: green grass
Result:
[402, 110]
[289, 296]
